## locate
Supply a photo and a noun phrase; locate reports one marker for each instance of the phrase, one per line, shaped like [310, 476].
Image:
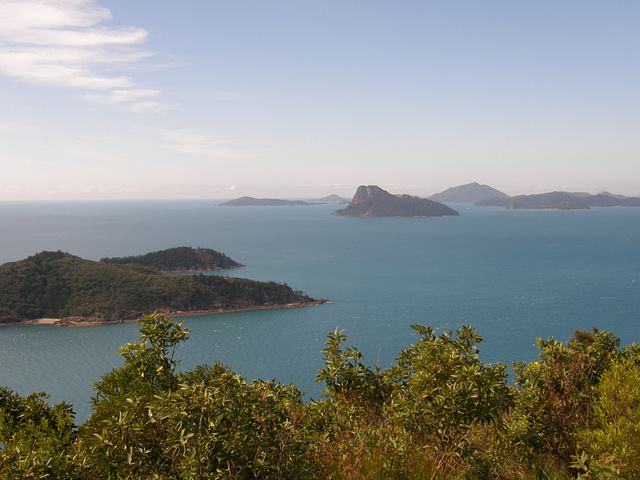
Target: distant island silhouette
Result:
[560, 201]
[469, 193]
[334, 199]
[373, 201]
[265, 202]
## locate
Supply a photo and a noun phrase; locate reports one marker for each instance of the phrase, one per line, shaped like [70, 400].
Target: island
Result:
[560, 201]
[180, 259]
[373, 201]
[469, 193]
[63, 289]
[606, 199]
[265, 202]
[334, 199]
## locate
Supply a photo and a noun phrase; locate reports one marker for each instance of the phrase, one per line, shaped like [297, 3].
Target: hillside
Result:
[180, 259]
[372, 201]
[59, 285]
[469, 193]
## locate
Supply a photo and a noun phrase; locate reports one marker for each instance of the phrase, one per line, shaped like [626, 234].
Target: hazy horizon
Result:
[303, 99]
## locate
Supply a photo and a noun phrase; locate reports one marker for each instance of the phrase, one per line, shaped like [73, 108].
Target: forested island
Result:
[71, 290]
[180, 259]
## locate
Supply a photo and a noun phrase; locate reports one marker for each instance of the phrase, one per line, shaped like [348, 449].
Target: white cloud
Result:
[148, 107]
[192, 142]
[21, 14]
[133, 99]
[11, 128]
[123, 95]
[60, 43]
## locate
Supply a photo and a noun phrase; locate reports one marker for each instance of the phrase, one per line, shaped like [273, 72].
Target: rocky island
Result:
[68, 290]
[373, 201]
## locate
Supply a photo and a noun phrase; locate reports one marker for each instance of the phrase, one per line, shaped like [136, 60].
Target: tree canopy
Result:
[437, 412]
[179, 259]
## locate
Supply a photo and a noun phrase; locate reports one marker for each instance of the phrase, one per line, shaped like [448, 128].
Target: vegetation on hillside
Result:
[60, 285]
[180, 259]
[437, 413]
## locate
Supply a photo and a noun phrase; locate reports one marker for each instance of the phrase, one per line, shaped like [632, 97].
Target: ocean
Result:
[513, 275]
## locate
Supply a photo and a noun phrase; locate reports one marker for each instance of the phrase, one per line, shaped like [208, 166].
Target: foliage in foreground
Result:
[438, 412]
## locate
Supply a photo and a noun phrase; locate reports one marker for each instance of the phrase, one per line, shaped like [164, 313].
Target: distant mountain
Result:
[607, 200]
[613, 195]
[334, 199]
[263, 202]
[550, 201]
[581, 194]
[469, 193]
[561, 201]
[372, 201]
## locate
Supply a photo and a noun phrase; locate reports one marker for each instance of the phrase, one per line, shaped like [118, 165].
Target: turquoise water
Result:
[514, 275]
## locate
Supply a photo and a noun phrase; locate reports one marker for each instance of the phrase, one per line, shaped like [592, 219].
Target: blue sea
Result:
[513, 275]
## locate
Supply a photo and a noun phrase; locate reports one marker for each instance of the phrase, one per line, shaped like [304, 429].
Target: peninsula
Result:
[69, 290]
[373, 201]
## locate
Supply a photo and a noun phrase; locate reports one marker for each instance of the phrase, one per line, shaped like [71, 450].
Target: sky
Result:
[158, 99]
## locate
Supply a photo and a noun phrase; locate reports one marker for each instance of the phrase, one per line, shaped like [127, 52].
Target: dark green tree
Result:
[442, 394]
[36, 439]
[556, 396]
[151, 421]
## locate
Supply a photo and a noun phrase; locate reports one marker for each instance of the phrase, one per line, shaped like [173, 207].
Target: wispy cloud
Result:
[62, 43]
[193, 142]
[132, 99]
[11, 128]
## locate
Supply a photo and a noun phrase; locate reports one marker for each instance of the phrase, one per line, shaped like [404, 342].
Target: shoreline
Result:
[94, 321]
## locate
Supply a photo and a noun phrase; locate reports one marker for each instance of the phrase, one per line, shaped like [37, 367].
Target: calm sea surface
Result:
[514, 275]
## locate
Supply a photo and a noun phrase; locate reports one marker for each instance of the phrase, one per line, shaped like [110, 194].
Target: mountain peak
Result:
[373, 201]
[469, 193]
